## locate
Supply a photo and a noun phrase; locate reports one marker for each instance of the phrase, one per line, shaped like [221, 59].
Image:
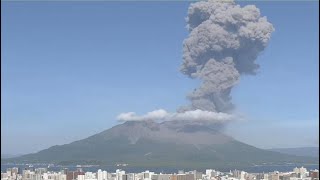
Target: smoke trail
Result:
[224, 42]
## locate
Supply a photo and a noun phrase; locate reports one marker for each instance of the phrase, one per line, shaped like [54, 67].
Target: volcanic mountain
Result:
[167, 144]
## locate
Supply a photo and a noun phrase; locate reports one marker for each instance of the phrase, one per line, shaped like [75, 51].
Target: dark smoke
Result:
[224, 42]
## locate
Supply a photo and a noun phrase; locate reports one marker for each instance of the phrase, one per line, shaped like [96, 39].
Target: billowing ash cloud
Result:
[162, 115]
[224, 42]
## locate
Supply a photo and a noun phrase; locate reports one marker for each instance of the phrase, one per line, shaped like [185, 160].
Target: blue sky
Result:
[69, 68]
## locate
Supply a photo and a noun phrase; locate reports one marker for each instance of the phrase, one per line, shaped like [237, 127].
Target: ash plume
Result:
[224, 42]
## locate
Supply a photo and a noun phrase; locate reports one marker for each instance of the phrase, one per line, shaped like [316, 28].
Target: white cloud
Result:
[153, 115]
[162, 115]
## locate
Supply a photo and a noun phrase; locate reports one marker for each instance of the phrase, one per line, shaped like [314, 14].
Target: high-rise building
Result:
[99, 175]
[273, 176]
[154, 177]
[72, 175]
[104, 175]
[15, 170]
[131, 176]
[81, 177]
[119, 174]
[124, 177]
[181, 177]
[198, 175]
[38, 177]
[301, 172]
[236, 174]
[65, 171]
[314, 174]
[163, 176]
[190, 176]
[4, 176]
[40, 170]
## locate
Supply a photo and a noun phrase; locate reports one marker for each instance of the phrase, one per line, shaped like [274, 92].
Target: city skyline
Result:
[31, 173]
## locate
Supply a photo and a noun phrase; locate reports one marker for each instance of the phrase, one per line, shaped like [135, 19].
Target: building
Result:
[174, 177]
[40, 170]
[147, 174]
[73, 175]
[131, 176]
[164, 177]
[273, 176]
[81, 177]
[314, 174]
[181, 177]
[190, 176]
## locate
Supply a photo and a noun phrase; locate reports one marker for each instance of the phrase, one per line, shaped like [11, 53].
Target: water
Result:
[254, 169]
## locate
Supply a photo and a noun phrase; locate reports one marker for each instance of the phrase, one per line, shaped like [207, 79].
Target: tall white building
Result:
[81, 177]
[131, 176]
[99, 175]
[104, 175]
[301, 171]
[119, 174]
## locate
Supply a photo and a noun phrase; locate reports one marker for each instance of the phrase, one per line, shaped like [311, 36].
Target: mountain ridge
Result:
[165, 144]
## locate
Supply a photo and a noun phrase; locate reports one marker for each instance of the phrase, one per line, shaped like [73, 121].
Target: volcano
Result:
[178, 144]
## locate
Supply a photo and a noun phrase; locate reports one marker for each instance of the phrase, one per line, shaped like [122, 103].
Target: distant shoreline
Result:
[93, 168]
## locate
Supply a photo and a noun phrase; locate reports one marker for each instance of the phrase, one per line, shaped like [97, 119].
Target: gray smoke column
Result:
[224, 42]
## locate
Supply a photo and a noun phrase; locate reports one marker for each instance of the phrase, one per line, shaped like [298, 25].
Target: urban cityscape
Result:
[16, 173]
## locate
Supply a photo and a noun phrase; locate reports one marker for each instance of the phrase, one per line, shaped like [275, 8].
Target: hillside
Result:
[167, 144]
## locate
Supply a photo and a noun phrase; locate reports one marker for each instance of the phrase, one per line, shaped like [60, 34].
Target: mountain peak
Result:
[180, 144]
